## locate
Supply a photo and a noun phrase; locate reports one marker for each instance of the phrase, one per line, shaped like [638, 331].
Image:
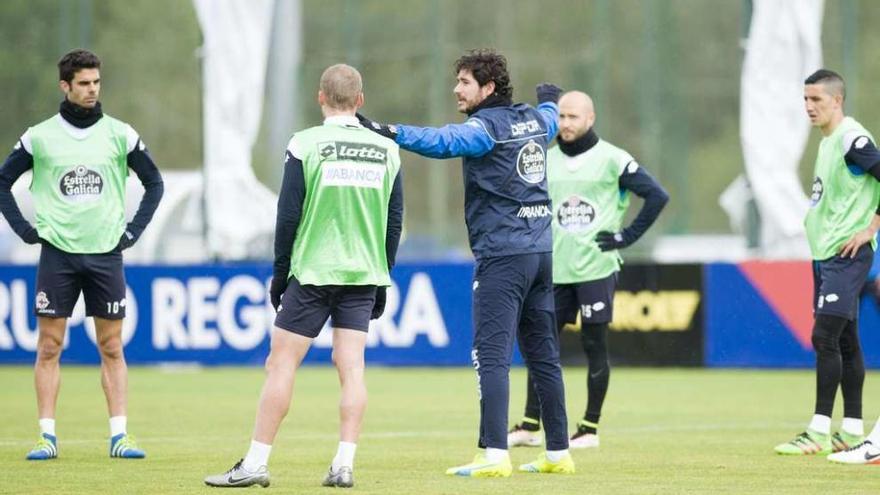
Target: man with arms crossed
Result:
[841, 227]
[507, 211]
[80, 159]
[339, 219]
[589, 180]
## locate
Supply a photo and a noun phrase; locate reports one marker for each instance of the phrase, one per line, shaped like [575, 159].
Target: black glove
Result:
[609, 241]
[126, 240]
[276, 290]
[385, 130]
[379, 305]
[547, 92]
[31, 236]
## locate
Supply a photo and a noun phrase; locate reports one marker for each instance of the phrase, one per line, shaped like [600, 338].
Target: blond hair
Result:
[341, 85]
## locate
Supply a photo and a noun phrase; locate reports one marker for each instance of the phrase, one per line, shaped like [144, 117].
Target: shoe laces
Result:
[339, 472]
[858, 446]
[236, 466]
[42, 443]
[804, 437]
[128, 441]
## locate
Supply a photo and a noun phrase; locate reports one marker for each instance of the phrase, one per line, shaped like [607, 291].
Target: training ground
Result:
[664, 431]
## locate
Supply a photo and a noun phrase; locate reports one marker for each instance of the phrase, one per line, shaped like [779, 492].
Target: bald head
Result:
[341, 88]
[576, 115]
[578, 100]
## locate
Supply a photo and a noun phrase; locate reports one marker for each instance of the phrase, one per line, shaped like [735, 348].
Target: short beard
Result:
[575, 138]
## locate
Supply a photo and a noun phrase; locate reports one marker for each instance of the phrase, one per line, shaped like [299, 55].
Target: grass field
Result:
[663, 432]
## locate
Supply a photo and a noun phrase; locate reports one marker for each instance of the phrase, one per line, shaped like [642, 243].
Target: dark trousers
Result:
[513, 295]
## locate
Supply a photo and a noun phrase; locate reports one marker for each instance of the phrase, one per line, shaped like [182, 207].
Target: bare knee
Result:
[111, 349]
[277, 363]
[49, 349]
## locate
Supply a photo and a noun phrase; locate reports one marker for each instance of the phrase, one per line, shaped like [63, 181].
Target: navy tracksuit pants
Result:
[513, 296]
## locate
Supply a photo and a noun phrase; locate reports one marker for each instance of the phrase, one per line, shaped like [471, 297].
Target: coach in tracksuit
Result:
[508, 214]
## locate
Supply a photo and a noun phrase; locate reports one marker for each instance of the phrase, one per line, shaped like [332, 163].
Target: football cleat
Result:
[863, 453]
[482, 468]
[123, 446]
[542, 465]
[46, 448]
[238, 476]
[842, 440]
[519, 436]
[809, 442]
[342, 477]
[584, 441]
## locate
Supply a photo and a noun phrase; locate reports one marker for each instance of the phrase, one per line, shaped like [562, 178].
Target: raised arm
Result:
[467, 139]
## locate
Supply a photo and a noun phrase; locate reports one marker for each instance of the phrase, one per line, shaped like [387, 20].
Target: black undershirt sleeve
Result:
[17, 163]
[863, 156]
[646, 187]
[290, 205]
[395, 220]
[140, 161]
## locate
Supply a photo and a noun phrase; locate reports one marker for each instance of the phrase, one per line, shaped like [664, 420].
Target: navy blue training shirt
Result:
[504, 161]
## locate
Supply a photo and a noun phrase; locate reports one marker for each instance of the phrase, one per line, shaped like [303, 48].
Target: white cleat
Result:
[520, 437]
[343, 477]
[863, 453]
[585, 441]
[238, 476]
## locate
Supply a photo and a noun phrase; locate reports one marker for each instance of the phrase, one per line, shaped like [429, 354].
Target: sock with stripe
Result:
[530, 424]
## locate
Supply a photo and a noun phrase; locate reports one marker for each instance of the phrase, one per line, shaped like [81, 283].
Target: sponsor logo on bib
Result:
[353, 175]
[81, 184]
[355, 152]
[575, 214]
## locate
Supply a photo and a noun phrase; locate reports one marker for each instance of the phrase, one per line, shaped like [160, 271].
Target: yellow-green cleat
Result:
[810, 442]
[842, 440]
[482, 468]
[542, 465]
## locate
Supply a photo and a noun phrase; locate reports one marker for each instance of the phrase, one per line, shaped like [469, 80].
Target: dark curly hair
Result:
[74, 61]
[487, 65]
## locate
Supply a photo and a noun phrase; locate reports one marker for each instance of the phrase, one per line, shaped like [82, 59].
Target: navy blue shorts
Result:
[62, 276]
[305, 308]
[594, 300]
[838, 282]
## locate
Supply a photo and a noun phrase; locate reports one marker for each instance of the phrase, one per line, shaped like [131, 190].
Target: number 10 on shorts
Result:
[114, 307]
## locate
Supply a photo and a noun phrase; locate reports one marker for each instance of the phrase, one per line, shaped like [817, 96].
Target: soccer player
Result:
[339, 219]
[841, 226]
[80, 159]
[507, 211]
[590, 180]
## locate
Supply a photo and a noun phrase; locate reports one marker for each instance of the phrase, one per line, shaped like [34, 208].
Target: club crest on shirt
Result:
[531, 162]
[816, 191]
[81, 184]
